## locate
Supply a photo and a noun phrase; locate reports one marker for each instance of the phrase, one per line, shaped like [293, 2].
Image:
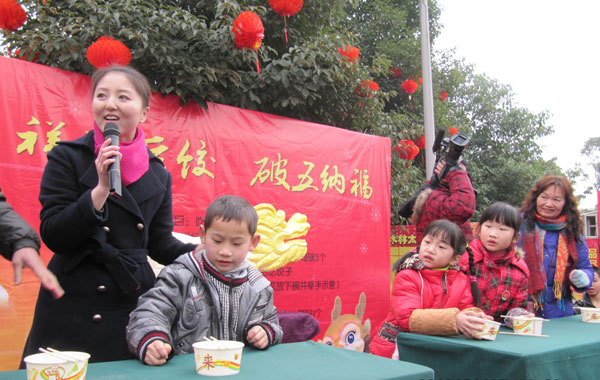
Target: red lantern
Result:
[453, 131]
[421, 142]
[12, 15]
[372, 85]
[350, 53]
[107, 51]
[443, 95]
[24, 57]
[407, 150]
[286, 8]
[248, 31]
[409, 86]
[396, 73]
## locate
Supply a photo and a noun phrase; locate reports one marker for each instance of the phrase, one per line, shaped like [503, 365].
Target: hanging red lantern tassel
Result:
[107, 51]
[409, 86]
[248, 33]
[12, 15]
[286, 8]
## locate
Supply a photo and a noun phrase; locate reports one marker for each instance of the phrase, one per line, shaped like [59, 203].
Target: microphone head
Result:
[111, 129]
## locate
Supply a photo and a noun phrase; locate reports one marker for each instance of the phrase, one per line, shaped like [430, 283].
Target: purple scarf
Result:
[135, 159]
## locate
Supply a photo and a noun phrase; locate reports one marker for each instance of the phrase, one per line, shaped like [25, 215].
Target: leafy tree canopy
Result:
[186, 48]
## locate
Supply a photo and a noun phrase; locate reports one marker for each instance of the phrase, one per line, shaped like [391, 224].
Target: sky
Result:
[548, 52]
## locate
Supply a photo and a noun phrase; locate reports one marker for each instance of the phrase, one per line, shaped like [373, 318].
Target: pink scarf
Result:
[135, 159]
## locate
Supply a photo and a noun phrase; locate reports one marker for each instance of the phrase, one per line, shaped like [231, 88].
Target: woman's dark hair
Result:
[502, 213]
[528, 208]
[448, 232]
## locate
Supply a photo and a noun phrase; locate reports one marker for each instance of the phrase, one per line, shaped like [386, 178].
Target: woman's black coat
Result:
[100, 259]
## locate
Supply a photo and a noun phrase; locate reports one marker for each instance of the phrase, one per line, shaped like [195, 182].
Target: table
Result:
[572, 351]
[290, 361]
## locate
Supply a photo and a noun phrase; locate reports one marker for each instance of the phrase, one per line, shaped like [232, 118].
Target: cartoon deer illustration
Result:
[348, 331]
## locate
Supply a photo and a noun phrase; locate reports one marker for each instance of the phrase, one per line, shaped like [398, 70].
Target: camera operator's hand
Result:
[439, 167]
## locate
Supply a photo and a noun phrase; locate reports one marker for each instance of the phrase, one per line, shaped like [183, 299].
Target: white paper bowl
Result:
[590, 314]
[45, 366]
[218, 358]
[490, 329]
[527, 326]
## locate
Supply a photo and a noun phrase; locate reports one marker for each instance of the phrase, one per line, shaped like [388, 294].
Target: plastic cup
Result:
[218, 358]
[47, 366]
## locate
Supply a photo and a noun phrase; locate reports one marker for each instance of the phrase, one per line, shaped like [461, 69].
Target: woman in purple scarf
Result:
[555, 251]
[101, 242]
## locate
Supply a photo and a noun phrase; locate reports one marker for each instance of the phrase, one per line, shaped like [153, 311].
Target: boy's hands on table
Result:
[257, 336]
[157, 353]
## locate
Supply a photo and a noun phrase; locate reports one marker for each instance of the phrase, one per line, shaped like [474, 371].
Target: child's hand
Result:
[157, 353]
[257, 336]
[466, 322]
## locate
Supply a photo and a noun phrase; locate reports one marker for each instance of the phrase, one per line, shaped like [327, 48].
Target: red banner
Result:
[337, 179]
[593, 250]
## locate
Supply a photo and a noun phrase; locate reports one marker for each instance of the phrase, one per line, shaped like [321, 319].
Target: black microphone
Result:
[111, 131]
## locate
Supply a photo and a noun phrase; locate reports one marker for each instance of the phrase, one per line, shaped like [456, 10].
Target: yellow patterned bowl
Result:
[590, 314]
[46, 366]
[490, 329]
[218, 358]
[527, 326]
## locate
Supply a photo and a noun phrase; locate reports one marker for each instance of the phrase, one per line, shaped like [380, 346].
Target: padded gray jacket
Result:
[183, 307]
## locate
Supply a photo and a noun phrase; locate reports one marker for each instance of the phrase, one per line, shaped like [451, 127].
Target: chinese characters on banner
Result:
[593, 250]
[403, 239]
[338, 179]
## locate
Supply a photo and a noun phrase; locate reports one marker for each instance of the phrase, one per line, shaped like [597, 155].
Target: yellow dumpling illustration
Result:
[280, 242]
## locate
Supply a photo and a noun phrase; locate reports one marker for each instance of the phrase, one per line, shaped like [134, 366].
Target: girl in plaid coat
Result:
[497, 272]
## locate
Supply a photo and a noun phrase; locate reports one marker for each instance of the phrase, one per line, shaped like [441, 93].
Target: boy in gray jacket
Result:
[211, 292]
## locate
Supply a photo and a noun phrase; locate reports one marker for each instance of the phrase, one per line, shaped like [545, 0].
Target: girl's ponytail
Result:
[473, 278]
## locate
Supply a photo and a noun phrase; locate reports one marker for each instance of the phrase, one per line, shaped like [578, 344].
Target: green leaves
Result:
[185, 47]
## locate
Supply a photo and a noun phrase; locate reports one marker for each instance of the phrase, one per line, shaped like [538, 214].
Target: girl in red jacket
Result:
[430, 294]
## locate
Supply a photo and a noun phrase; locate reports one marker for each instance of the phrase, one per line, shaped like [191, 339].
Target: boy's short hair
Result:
[232, 207]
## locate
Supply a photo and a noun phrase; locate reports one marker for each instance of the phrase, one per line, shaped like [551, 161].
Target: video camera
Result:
[447, 149]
